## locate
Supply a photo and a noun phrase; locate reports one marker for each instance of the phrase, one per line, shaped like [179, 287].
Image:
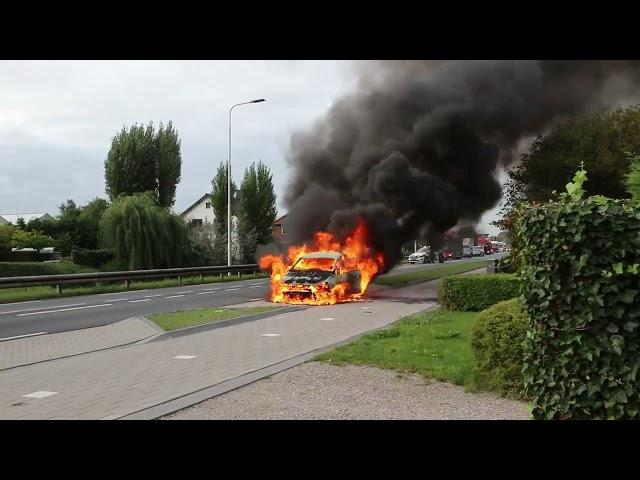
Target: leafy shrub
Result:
[476, 292]
[28, 269]
[91, 258]
[497, 338]
[24, 256]
[580, 290]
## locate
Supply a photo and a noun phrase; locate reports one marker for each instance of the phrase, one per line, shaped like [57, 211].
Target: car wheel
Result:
[424, 260]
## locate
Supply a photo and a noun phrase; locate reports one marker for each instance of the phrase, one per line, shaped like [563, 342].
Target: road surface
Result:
[74, 313]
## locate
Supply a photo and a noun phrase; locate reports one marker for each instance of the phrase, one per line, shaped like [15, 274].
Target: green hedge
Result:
[476, 292]
[91, 258]
[25, 269]
[581, 284]
[497, 338]
[24, 256]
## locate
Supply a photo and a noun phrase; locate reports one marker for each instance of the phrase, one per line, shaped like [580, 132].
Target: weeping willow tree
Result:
[143, 235]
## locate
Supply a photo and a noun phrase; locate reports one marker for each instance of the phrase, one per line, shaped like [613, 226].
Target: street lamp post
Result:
[229, 181]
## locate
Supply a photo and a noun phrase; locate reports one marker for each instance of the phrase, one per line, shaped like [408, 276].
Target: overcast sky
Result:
[57, 119]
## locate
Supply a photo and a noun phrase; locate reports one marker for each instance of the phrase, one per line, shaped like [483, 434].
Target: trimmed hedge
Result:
[581, 290]
[476, 292]
[27, 269]
[24, 256]
[91, 258]
[497, 338]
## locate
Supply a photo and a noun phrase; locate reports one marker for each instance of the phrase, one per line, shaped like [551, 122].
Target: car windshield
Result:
[423, 250]
[324, 264]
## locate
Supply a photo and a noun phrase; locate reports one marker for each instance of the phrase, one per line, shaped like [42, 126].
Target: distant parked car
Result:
[467, 251]
[478, 251]
[423, 255]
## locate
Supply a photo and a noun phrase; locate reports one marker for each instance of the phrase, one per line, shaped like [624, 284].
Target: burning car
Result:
[316, 275]
[325, 270]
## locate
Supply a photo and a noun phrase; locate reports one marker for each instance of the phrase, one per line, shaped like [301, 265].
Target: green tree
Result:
[257, 210]
[6, 236]
[219, 206]
[24, 239]
[143, 234]
[599, 141]
[142, 159]
[169, 164]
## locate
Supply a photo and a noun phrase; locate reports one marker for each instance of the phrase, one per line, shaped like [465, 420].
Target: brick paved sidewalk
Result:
[118, 382]
[24, 351]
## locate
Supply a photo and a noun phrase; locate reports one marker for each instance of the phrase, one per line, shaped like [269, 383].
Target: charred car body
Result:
[320, 272]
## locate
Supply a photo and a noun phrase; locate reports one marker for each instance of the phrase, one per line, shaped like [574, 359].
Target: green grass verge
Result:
[10, 295]
[426, 274]
[435, 344]
[200, 316]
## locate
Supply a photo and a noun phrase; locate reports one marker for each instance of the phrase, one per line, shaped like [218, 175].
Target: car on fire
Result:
[319, 271]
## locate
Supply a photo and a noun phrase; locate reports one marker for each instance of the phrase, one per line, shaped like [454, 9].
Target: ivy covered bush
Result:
[581, 284]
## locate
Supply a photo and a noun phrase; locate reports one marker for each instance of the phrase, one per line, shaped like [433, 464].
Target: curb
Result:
[190, 399]
[181, 332]
[127, 344]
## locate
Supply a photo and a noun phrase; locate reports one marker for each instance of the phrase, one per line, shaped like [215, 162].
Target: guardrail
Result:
[59, 281]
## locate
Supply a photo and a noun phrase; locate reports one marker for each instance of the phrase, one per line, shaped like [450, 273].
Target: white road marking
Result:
[255, 286]
[151, 296]
[22, 336]
[256, 299]
[119, 300]
[327, 319]
[40, 394]
[19, 303]
[232, 289]
[64, 309]
[42, 308]
[270, 334]
[204, 293]
[184, 293]
[137, 301]
[175, 296]
[185, 357]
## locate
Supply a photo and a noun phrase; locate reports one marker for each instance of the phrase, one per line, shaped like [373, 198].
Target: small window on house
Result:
[207, 205]
[196, 222]
[283, 232]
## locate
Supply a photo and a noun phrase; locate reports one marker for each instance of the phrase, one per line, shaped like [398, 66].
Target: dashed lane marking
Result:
[175, 296]
[64, 310]
[42, 308]
[40, 394]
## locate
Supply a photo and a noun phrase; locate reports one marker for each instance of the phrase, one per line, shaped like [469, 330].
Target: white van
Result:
[478, 251]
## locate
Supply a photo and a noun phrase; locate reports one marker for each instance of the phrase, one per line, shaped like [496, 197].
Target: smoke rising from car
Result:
[416, 149]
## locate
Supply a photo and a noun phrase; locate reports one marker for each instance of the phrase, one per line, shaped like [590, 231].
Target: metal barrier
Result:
[127, 276]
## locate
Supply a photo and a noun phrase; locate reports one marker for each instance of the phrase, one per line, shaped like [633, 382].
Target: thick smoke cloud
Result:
[416, 149]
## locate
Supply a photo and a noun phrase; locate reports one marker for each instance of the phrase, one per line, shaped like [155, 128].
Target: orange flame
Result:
[357, 255]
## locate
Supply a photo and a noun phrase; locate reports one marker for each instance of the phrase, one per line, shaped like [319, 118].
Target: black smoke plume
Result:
[417, 148]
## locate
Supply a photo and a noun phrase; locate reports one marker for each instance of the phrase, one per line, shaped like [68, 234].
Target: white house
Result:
[12, 218]
[200, 212]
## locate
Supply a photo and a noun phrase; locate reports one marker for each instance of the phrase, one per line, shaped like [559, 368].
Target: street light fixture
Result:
[258, 100]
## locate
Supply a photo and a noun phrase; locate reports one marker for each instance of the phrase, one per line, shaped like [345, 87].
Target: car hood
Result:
[306, 277]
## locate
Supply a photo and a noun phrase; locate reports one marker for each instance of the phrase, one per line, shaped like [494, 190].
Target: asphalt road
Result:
[73, 313]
